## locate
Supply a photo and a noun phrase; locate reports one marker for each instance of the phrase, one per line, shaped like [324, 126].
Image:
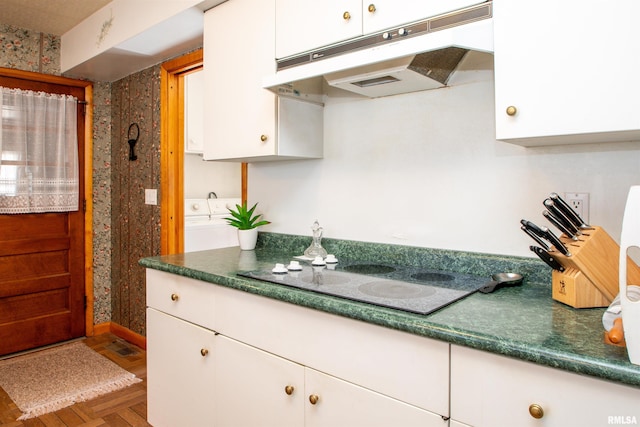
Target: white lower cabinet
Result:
[493, 391]
[270, 363]
[180, 372]
[256, 388]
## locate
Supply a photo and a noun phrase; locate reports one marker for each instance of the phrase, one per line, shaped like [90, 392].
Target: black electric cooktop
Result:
[411, 289]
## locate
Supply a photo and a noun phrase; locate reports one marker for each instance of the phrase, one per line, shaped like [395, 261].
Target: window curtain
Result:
[38, 152]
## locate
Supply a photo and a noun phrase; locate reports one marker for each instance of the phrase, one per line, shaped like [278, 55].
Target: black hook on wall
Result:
[132, 142]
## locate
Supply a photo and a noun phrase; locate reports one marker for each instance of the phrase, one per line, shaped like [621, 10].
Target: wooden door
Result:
[42, 282]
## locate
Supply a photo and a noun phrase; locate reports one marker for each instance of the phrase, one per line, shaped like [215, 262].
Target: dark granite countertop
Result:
[520, 322]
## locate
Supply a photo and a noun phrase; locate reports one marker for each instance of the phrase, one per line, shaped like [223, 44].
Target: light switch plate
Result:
[150, 196]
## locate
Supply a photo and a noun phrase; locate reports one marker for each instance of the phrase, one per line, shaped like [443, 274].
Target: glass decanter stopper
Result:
[316, 248]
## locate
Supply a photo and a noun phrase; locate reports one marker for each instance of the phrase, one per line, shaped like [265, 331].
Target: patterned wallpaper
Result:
[29, 51]
[135, 226]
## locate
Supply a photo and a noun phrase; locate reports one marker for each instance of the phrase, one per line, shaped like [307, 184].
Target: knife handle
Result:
[538, 240]
[556, 242]
[568, 211]
[559, 225]
[547, 258]
[533, 228]
[560, 217]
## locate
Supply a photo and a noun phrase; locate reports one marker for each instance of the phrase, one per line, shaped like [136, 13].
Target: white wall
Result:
[201, 177]
[424, 169]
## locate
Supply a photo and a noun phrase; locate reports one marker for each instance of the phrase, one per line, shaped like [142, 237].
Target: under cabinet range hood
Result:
[418, 56]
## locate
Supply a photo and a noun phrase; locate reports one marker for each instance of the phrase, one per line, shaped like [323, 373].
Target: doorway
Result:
[172, 90]
[45, 259]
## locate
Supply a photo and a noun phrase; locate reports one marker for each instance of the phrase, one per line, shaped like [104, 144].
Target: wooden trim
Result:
[172, 150]
[121, 332]
[101, 328]
[88, 214]
[88, 173]
[245, 180]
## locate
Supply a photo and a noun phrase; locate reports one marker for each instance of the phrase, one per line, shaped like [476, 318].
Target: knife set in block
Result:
[591, 271]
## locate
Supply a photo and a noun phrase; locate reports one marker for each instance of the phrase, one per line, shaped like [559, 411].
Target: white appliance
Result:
[204, 224]
[629, 239]
[415, 56]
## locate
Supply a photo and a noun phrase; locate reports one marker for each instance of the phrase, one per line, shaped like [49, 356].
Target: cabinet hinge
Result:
[85, 302]
[84, 205]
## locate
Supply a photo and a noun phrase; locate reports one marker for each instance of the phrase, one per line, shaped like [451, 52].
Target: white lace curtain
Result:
[38, 152]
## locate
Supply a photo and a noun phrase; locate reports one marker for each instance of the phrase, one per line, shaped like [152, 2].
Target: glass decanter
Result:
[316, 248]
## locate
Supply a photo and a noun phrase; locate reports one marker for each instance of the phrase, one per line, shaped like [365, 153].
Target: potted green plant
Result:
[247, 224]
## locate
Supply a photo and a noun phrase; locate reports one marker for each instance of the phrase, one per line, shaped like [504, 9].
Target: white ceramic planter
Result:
[248, 239]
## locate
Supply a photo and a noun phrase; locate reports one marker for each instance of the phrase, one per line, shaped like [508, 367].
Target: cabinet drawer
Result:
[491, 390]
[185, 298]
[404, 366]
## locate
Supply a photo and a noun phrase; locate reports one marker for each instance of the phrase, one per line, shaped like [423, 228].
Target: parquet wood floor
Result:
[127, 407]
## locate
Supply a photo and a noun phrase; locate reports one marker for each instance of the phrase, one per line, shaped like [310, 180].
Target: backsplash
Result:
[533, 270]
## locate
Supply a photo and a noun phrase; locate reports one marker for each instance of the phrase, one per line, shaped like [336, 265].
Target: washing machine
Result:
[204, 224]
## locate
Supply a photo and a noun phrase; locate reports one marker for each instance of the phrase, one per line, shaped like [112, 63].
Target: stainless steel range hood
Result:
[418, 56]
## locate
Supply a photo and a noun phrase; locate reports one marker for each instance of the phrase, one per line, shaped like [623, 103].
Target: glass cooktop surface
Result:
[411, 289]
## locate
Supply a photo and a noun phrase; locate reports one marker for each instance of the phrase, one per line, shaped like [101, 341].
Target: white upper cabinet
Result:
[566, 72]
[243, 121]
[382, 14]
[303, 25]
[306, 24]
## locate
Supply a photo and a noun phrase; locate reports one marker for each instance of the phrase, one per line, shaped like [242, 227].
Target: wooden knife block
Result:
[591, 277]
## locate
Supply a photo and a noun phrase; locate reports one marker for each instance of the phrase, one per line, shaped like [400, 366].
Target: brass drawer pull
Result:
[174, 297]
[346, 16]
[536, 411]
[511, 110]
[289, 390]
[204, 352]
[313, 398]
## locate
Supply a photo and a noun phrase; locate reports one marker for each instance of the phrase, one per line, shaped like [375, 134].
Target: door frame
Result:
[172, 75]
[87, 175]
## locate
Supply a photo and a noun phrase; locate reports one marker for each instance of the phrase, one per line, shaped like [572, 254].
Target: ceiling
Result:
[48, 16]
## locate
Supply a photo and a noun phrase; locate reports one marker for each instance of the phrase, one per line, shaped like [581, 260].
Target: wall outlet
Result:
[579, 202]
[150, 196]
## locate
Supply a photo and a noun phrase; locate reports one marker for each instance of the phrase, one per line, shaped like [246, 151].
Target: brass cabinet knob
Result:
[346, 16]
[536, 411]
[511, 110]
[263, 138]
[372, 8]
[174, 297]
[204, 352]
[313, 398]
[289, 390]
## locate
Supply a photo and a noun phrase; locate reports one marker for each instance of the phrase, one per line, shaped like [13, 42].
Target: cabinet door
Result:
[239, 45]
[251, 387]
[303, 25]
[339, 403]
[493, 391]
[180, 359]
[382, 14]
[568, 70]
